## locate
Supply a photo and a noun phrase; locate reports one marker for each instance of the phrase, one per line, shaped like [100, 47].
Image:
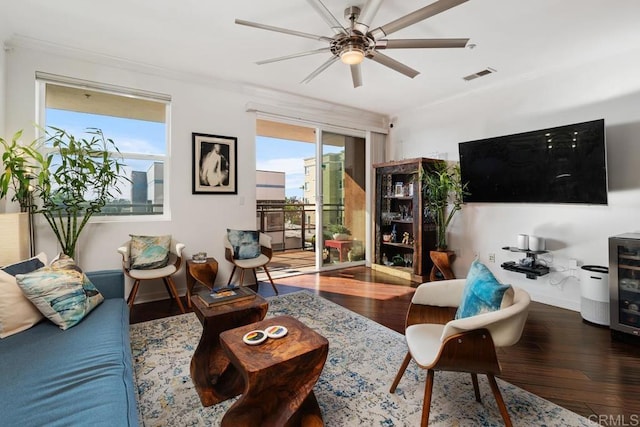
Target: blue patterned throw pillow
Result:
[246, 244]
[149, 252]
[61, 291]
[482, 292]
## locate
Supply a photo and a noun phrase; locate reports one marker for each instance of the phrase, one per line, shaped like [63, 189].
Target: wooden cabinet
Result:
[403, 234]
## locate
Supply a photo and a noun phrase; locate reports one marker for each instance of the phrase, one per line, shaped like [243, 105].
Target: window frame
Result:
[43, 79]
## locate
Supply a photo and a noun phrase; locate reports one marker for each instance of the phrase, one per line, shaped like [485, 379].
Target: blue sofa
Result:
[81, 376]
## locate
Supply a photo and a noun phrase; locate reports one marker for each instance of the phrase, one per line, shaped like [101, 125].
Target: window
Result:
[136, 121]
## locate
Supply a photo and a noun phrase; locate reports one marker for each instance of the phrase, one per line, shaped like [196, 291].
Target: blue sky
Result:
[279, 155]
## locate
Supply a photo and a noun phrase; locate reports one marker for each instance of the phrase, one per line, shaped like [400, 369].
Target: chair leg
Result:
[241, 277]
[400, 373]
[499, 400]
[476, 389]
[172, 286]
[231, 277]
[273, 285]
[426, 404]
[133, 293]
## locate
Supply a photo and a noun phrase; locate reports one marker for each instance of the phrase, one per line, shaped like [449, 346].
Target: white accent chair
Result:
[253, 263]
[437, 342]
[164, 273]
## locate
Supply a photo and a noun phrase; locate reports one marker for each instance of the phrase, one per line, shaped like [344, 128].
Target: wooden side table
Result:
[200, 272]
[342, 246]
[279, 375]
[441, 269]
[214, 378]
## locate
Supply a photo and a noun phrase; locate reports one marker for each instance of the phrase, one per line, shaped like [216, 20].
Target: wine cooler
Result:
[624, 283]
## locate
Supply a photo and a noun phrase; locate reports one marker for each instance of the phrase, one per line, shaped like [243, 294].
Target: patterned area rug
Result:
[353, 389]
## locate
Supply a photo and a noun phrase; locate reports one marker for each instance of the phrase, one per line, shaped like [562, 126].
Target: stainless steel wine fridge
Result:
[624, 283]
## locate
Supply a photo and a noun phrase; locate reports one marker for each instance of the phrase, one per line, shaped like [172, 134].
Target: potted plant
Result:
[22, 167]
[339, 232]
[80, 177]
[443, 191]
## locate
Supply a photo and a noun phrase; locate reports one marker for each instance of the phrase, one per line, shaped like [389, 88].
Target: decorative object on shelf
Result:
[405, 238]
[536, 243]
[443, 191]
[199, 258]
[398, 260]
[523, 242]
[394, 234]
[441, 269]
[399, 189]
[214, 163]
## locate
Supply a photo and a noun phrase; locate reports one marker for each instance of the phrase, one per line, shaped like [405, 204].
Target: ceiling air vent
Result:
[484, 72]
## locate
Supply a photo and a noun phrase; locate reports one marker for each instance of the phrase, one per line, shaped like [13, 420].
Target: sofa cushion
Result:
[61, 291]
[81, 376]
[246, 244]
[17, 313]
[482, 292]
[149, 252]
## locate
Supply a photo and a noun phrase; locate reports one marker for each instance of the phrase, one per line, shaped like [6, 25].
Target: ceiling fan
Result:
[356, 42]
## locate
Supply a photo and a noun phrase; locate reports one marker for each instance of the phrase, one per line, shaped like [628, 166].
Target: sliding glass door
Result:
[311, 195]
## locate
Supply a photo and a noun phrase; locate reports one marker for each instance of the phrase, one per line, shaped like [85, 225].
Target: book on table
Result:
[226, 295]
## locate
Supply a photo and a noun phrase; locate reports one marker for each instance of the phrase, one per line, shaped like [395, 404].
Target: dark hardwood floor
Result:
[559, 357]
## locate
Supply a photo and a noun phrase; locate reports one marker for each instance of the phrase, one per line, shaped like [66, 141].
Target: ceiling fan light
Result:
[352, 55]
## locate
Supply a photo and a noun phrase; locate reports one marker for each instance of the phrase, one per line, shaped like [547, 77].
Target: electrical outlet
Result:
[492, 257]
[573, 263]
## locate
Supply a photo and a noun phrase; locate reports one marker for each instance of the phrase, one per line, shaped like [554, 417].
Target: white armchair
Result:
[438, 342]
[164, 273]
[253, 263]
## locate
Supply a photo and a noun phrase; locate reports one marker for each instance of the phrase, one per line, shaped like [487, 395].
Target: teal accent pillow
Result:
[482, 292]
[246, 244]
[61, 291]
[149, 252]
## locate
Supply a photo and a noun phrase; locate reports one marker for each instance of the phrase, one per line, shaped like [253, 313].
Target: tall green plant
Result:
[443, 191]
[81, 181]
[23, 166]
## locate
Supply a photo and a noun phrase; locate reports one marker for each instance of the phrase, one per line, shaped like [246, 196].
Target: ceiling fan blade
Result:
[393, 64]
[366, 15]
[420, 43]
[413, 17]
[320, 69]
[356, 75]
[295, 55]
[283, 30]
[328, 17]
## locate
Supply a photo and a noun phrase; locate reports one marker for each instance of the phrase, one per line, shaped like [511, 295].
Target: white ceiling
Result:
[520, 39]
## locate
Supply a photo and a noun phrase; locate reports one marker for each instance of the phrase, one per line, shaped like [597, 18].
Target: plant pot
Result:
[340, 236]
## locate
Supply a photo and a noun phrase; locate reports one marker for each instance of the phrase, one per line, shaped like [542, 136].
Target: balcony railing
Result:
[293, 225]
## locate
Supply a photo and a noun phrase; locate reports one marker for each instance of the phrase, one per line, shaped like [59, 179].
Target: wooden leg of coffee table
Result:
[281, 395]
[214, 377]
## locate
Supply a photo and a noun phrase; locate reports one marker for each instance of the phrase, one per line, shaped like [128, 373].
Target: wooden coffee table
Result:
[279, 375]
[203, 273]
[214, 378]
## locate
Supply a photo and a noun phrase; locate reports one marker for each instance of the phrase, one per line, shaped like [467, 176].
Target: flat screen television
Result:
[565, 164]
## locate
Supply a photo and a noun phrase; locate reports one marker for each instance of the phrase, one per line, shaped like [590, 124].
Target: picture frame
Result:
[215, 164]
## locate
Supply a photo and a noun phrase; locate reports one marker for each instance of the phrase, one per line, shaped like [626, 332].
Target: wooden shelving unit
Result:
[400, 207]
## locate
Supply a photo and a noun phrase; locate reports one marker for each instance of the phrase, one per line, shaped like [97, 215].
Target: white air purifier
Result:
[594, 289]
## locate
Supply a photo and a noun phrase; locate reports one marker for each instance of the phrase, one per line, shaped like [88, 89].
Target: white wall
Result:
[606, 89]
[198, 105]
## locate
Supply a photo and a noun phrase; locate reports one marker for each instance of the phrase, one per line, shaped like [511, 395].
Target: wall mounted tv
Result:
[565, 164]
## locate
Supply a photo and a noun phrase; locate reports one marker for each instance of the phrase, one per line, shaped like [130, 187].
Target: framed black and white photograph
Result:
[215, 164]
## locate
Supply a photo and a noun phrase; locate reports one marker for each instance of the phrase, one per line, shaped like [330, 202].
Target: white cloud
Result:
[288, 166]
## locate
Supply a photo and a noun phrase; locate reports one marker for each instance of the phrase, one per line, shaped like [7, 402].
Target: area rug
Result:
[353, 389]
